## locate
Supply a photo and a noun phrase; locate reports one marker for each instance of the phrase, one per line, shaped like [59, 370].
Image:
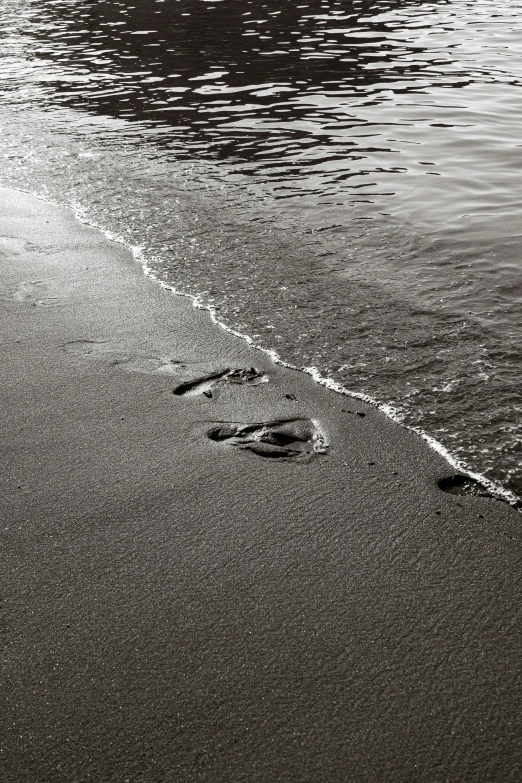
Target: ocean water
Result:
[340, 181]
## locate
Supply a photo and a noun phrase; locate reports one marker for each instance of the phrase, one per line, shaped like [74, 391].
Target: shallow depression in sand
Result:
[33, 292]
[295, 438]
[109, 353]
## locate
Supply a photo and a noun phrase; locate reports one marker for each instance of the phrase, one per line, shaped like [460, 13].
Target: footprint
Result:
[278, 439]
[159, 365]
[28, 291]
[459, 484]
[99, 350]
[205, 383]
[12, 245]
[148, 365]
[92, 348]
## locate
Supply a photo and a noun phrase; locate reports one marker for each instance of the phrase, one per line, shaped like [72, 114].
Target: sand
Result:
[181, 608]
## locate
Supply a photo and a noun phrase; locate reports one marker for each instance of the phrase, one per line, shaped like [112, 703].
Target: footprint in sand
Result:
[148, 365]
[29, 292]
[99, 350]
[204, 384]
[297, 438]
[12, 245]
[459, 484]
[191, 385]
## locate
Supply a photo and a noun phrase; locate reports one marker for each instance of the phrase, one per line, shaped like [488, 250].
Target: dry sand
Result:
[177, 608]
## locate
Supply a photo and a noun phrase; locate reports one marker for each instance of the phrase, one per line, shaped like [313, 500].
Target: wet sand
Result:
[178, 607]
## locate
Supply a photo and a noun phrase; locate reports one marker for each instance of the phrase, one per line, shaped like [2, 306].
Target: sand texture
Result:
[216, 570]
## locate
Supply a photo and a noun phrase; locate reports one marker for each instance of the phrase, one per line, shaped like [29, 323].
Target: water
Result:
[341, 180]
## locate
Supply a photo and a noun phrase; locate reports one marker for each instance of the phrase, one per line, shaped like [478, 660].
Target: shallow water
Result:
[342, 180]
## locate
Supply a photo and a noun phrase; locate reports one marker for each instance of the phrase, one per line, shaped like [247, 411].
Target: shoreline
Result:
[491, 487]
[183, 608]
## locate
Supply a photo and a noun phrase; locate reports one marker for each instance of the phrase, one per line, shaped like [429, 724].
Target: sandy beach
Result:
[290, 599]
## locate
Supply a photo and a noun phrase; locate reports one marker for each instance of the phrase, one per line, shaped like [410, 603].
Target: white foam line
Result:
[389, 410]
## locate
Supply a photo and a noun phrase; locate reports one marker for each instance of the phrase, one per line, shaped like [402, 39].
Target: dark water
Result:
[341, 179]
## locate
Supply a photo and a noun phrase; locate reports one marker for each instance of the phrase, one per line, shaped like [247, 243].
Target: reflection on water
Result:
[230, 76]
[333, 93]
[360, 205]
